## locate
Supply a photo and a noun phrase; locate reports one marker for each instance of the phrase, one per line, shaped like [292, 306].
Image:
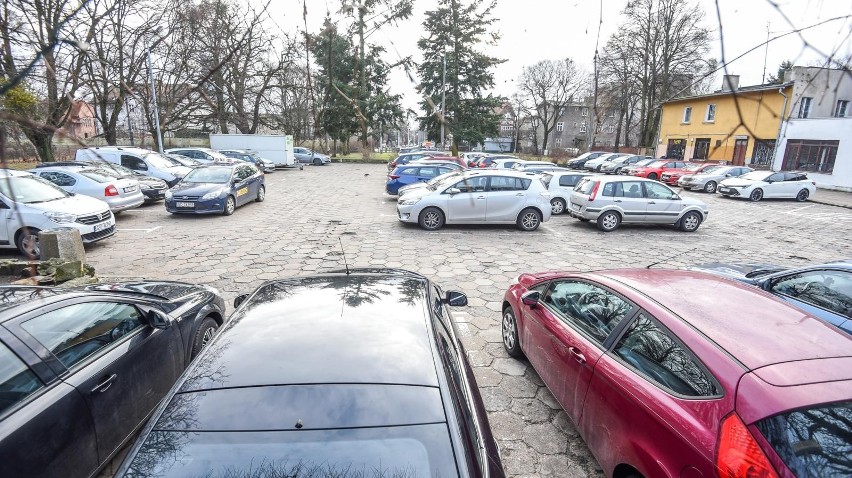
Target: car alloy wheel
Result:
[803, 195]
[710, 187]
[690, 222]
[261, 193]
[28, 243]
[207, 337]
[431, 219]
[652, 176]
[230, 205]
[557, 206]
[509, 329]
[756, 195]
[529, 220]
[609, 221]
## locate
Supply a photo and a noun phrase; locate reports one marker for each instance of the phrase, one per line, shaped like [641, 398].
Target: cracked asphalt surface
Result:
[297, 230]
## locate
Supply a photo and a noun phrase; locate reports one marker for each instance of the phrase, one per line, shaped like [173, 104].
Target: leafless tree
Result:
[550, 86]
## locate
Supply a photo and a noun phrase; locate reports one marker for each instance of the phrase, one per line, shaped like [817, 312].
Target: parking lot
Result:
[309, 213]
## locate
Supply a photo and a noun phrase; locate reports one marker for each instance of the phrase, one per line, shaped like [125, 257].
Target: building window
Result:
[809, 155]
[687, 114]
[560, 126]
[585, 112]
[583, 127]
[558, 142]
[842, 108]
[805, 107]
[711, 114]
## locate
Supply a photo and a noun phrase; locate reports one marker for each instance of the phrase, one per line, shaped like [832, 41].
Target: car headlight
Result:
[169, 194]
[61, 217]
[212, 195]
[409, 202]
[144, 187]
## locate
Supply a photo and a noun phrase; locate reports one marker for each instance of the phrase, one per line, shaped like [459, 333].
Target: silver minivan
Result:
[611, 201]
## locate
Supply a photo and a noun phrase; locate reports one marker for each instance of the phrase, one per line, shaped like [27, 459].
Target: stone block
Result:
[61, 243]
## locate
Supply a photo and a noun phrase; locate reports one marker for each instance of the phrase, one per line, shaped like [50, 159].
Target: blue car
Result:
[409, 174]
[823, 290]
[216, 189]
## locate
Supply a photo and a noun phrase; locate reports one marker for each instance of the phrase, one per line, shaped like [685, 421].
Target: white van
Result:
[29, 204]
[147, 162]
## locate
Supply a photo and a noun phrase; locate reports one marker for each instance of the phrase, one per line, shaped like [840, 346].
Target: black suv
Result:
[82, 370]
[341, 374]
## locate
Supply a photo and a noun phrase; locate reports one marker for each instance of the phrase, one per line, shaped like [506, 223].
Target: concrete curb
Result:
[827, 203]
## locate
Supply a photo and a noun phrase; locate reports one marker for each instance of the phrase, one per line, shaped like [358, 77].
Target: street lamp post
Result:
[443, 97]
[154, 98]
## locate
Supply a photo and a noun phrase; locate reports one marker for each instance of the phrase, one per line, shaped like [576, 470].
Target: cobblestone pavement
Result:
[296, 231]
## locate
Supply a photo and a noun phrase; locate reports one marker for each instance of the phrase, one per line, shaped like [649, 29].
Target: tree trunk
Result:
[42, 140]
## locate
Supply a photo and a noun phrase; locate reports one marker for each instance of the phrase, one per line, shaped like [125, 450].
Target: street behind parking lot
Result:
[308, 214]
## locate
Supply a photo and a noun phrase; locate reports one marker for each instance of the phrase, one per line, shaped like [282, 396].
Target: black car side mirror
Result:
[157, 319]
[238, 300]
[455, 299]
[531, 299]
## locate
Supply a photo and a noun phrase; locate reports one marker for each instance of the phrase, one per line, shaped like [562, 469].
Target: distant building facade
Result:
[81, 123]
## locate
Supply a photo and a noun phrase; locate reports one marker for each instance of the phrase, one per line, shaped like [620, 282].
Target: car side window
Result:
[78, 331]
[443, 170]
[831, 290]
[59, 179]
[428, 172]
[655, 354]
[504, 183]
[775, 177]
[569, 180]
[17, 381]
[657, 191]
[133, 162]
[409, 171]
[589, 308]
[471, 185]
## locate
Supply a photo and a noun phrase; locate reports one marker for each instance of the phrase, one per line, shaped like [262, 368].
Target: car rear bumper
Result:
[154, 195]
[120, 203]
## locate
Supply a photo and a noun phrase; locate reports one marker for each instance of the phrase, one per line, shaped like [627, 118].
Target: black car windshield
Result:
[208, 175]
[30, 189]
[813, 442]
[406, 451]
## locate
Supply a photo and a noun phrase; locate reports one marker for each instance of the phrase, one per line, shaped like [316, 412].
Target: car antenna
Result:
[343, 253]
[669, 258]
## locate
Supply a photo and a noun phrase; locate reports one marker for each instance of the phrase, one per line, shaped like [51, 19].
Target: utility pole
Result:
[443, 97]
[154, 98]
[765, 55]
[129, 126]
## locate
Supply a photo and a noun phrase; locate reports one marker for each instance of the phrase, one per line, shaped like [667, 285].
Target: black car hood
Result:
[165, 290]
[744, 272]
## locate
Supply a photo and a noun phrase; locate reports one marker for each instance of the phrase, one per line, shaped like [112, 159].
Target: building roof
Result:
[744, 89]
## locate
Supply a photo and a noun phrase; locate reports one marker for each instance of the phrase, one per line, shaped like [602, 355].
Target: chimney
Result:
[730, 82]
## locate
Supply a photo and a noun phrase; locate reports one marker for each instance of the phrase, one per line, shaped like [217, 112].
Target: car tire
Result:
[652, 176]
[598, 168]
[756, 195]
[317, 162]
[230, 206]
[803, 195]
[529, 219]
[690, 222]
[205, 333]
[710, 187]
[431, 219]
[609, 221]
[261, 193]
[28, 244]
[509, 332]
[557, 206]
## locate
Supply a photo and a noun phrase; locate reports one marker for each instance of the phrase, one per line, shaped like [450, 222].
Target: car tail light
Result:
[393, 176]
[110, 191]
[738, 455]
[594, 191]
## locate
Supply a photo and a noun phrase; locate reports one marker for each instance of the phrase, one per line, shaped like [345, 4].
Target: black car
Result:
[81, 370]
[340, 374]
[154, 189]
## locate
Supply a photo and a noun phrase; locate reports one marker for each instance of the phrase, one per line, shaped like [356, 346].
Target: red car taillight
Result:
[110, 191]
[393, 176]
[738, 455]
[594, 191]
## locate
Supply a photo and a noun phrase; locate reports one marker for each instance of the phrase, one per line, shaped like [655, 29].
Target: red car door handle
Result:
[578, 356]
[103, 386]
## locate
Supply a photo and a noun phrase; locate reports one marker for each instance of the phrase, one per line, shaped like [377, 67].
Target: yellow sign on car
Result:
[242, 191]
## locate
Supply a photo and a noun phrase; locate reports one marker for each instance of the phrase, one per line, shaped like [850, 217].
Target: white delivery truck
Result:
[277, 148]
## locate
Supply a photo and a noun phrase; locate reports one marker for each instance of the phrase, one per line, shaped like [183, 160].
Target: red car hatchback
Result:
[657, 168]
[672, 176]
[677, 374]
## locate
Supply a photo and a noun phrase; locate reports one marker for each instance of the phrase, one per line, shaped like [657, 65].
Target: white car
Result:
[32, 204]
[479, 197]
[506, 163]
[523, 166]
[709, 179]
[758, 185]
[205, 155]
[119, 194]
[561, 185]
[143, 161]
[597, 163]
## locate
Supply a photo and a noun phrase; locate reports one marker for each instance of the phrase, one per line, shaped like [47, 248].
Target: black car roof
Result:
[363, 328]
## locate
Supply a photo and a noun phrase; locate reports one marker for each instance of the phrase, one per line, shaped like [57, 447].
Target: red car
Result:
[452, 159]
[677, 374]
[657, 168]
[672, 176]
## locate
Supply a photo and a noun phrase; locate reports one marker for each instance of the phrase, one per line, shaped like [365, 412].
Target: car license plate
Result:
[185, 204]
[130, 189]
[102, 226]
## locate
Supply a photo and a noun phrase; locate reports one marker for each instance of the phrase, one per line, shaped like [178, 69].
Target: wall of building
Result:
[824, 86]
[822, 129]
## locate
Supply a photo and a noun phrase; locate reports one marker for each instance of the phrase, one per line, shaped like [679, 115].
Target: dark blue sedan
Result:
[216, 189]
[409, 174]
[823, 290]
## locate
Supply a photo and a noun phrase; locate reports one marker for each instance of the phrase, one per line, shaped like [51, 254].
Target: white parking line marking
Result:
[140, 230]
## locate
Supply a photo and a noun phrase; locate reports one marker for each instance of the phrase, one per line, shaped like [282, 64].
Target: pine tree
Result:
[456, 29]
[336, 74]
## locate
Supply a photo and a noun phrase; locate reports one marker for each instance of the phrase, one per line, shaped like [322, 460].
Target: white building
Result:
[817, 134]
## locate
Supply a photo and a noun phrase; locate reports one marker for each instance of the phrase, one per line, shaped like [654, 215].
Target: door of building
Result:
[740, 151]
[702, 148]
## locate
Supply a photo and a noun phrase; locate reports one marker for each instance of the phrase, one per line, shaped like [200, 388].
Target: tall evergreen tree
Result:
[458, 29]
[336, 80]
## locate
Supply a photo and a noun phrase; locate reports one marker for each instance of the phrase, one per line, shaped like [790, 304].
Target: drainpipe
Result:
[780, 127]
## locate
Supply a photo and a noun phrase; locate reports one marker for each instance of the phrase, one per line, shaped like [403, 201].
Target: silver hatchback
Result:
[611, 201]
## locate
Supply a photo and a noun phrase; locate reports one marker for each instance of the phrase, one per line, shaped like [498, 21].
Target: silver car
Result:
[613, 200]
[561, 185]
[709, 179]
[616, 165]
[119, 194]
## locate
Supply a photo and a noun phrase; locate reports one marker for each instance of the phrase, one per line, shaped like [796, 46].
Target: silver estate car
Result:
[612, 200]
[709, 179]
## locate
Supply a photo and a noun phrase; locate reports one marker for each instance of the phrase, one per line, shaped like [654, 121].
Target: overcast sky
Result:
[533, 30]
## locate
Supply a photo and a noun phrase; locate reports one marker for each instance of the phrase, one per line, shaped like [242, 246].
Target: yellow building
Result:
[736, 125]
